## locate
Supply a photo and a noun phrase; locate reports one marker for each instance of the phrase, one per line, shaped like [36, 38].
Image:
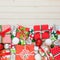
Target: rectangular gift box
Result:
[6, 31]
[25, 52]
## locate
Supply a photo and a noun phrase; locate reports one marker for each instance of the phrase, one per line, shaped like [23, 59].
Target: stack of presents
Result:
[40, 42]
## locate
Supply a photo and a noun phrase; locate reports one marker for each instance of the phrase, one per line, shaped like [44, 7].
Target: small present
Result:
[5, 33]
[22, 32]
[37, 28]
[45, 35]
[44, 27]
[55, 50]
[25, 52]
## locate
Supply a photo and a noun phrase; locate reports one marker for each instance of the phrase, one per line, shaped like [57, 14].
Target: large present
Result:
[43, 31]
[5, 31]
[25, 52]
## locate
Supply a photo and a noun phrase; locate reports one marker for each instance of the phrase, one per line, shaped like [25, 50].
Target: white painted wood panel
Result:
[30, 15]
[29, 2]
[30, 10]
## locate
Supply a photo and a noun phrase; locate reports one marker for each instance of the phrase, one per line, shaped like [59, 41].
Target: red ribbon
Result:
[4, 32]
[3, 54]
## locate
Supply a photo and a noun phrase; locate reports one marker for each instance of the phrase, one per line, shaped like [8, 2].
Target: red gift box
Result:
[45, 35]
[37, 28]
[55, 50]
[4, 55]
[22, 32]
[37, 35]
[25, 52]
[44, 27]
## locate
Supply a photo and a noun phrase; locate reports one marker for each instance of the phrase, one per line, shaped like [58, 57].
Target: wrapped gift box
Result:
[25, 52]
[6, 30]
[55, 50]
[44, 31]
[22, 32]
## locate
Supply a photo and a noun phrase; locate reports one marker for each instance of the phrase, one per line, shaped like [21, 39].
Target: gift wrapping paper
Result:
[41, 42]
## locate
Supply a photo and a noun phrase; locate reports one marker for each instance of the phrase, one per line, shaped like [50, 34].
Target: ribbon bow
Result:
[4, 32]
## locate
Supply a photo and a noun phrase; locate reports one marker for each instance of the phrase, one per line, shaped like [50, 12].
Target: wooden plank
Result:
[30, 15]
[29, 2]
[29, 22]
[29, 9]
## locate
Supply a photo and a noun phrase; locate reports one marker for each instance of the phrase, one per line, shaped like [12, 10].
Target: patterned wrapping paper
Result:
[5, 33]
[25, 52]
[23, 43]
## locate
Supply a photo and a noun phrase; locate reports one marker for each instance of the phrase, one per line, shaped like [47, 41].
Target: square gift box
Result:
[25, 52]
[43, 31]
[22, 32]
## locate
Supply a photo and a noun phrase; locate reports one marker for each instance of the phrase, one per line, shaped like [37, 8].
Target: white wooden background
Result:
[26, 11]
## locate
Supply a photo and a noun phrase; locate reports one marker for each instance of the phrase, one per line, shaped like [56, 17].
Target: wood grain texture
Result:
[30, 9]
